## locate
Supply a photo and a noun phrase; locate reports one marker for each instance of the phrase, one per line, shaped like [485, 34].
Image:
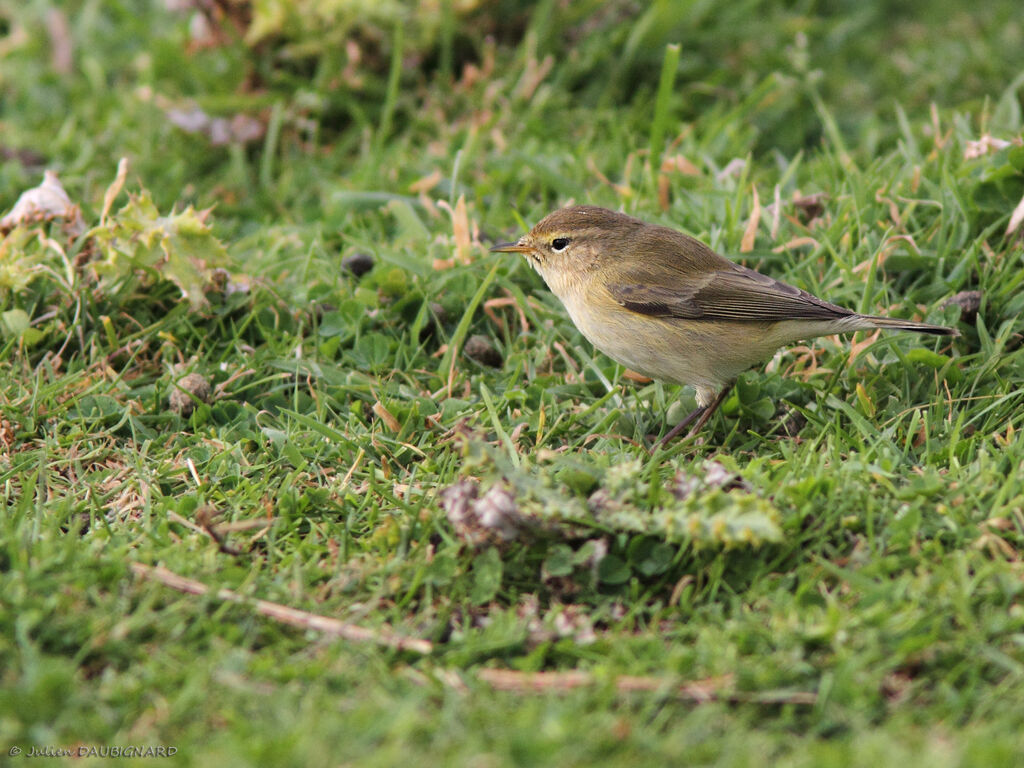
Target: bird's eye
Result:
[559, 243]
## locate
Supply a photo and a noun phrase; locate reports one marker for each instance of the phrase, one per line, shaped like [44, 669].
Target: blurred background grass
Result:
[352, 83]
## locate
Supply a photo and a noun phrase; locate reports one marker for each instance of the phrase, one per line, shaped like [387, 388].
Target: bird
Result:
[667, 306]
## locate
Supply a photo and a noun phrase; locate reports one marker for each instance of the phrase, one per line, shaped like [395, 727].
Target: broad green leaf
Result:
[487, 570]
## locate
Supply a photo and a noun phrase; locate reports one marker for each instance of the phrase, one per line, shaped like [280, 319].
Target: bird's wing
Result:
[733, 293]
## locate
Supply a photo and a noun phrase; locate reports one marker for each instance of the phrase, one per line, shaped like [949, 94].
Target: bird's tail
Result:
[894, 324]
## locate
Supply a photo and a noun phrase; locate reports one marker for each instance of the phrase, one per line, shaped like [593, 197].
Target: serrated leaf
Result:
[708, 515]
[138, 242]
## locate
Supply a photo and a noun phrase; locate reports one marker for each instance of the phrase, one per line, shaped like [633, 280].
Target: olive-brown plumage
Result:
[664, 304]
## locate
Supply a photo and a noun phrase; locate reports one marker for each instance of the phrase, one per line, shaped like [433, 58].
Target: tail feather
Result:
[895, 324]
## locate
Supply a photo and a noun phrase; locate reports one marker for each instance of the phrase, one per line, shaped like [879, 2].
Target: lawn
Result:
[295, 471]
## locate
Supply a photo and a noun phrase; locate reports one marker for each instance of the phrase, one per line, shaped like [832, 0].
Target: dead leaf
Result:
[983, 146]
[46, 202]
[894, 211]
[798, 242]
[492, 518]
[776, 210]
[1016, 218]
[386, 416]
[663, 189]
[679, 164]
[670, 164]
[508, 301]
[426, 183]
[733, 168]
[639, 378]
[62, 51]
[750, 234]
[712, 475]
[622, 190]
[463, 234]
[114, 189]
[238, 129]
[533, 76]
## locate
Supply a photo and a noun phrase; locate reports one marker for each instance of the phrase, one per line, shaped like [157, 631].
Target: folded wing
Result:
[733, 293]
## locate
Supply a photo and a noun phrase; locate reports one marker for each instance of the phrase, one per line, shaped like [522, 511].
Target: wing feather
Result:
[733, 293]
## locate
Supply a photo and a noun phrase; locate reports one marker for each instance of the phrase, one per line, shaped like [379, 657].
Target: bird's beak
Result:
[512, 248]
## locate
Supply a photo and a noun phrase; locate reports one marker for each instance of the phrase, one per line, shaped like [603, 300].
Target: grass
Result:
[856, 600]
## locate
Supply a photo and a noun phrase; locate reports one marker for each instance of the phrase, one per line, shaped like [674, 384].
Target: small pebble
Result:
[480, 349]
[438, 311]
[436, 319]
[969, 303]
[358, 263]
[193, 384]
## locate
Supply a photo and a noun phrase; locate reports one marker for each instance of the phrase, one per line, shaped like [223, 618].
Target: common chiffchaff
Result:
[667, 306]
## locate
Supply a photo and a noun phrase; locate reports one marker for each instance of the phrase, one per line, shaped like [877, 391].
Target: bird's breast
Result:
[663, 349]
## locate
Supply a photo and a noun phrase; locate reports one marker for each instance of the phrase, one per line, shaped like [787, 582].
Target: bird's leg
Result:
[695, 414]
[701, 415]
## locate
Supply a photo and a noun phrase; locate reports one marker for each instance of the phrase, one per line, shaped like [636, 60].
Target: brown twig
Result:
[695, 691]
[206, 517]
[286, 615]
